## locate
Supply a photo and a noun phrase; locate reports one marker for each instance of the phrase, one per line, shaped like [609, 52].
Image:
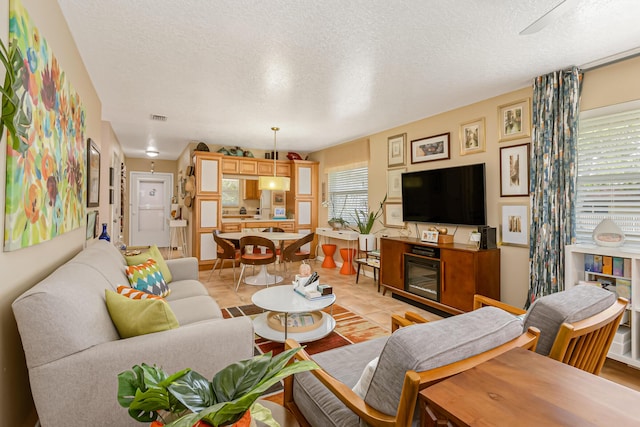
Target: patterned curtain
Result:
[556, 98]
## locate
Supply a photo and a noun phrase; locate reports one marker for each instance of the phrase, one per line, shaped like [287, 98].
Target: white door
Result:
[150, 208]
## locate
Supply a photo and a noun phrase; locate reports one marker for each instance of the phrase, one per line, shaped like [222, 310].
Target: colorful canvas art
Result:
[45, 194]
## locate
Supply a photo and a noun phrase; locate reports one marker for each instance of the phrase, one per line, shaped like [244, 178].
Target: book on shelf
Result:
[597, 264]
[626, 269]
[618, 266]
[588, 262]
[607, 265]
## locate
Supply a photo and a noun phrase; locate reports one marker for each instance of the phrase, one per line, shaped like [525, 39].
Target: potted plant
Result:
[364, 225]
[336, 221]
[186, 398]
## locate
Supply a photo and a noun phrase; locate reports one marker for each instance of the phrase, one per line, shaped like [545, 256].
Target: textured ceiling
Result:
[325, 72]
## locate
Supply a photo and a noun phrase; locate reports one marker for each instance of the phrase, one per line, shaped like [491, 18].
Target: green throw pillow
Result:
[155, 254]
[133, 317]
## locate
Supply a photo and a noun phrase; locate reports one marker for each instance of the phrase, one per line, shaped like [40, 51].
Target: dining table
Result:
[263, 277]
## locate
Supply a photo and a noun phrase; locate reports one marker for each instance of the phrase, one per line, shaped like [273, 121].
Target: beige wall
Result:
[603, 86]
[23, 268]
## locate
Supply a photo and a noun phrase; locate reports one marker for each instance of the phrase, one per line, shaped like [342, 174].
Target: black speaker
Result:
[487, 237]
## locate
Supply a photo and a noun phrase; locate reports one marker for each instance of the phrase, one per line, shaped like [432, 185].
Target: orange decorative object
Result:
[347, 261]
[245, 421]
[328, 251]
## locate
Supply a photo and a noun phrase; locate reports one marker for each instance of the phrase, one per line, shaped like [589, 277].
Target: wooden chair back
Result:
[585, 344]
[252, 258]
[292, 251]
[226, 248]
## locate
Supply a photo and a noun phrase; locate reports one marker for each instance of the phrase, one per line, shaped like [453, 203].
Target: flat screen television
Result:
[453, 195]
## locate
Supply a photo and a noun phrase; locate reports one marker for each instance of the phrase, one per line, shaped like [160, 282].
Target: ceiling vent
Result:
[158, 118]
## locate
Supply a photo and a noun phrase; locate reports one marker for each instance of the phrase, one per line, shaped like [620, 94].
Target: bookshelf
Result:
[618, 270]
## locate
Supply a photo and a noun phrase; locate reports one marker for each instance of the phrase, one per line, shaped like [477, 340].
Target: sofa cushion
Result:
[185, 289]
[315, 401]
[106, 260]
[64, 314]
[153, 253]
[195, 309]
[147, 277]
[575, 304]
[430, 345]
[139, 317]
[133, 293]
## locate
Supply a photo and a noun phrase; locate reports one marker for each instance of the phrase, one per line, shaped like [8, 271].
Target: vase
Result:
[104, 235]
[367, 242]
[607, 233]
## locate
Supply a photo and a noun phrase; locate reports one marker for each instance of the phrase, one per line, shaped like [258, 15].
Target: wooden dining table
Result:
[263, 277]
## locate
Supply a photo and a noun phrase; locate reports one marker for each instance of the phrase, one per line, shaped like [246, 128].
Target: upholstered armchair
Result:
[378, 381]
[577, 326]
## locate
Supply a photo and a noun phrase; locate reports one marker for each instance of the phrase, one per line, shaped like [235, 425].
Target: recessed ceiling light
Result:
[152, 153]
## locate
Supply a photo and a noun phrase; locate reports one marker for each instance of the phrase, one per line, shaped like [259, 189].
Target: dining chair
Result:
[280, 247]
[294, 252]
[249, 257]
[226, 250]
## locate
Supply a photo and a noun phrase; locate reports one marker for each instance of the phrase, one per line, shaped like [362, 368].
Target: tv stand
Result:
[464, 271]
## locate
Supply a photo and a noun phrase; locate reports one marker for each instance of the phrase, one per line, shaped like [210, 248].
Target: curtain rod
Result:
[612, 59]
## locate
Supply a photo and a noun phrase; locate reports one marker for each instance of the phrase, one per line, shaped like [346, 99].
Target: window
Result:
[608, 182]
[230, 192]
[348, 191]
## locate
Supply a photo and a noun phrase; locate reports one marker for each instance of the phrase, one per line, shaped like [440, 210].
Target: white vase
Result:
[367, 242]
[607, 233]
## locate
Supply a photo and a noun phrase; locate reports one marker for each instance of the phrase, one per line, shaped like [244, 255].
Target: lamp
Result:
[274, 182]
[152, 153]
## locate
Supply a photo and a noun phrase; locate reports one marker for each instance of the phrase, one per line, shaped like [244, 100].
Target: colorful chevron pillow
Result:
[133, 293]
[146, 277]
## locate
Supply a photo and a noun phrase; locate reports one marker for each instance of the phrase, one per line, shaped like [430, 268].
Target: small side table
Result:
[328, 251]
[347, 261]
[178, 232]
[371, 259]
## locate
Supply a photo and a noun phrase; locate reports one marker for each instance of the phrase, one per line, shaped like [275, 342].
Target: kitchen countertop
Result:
[251, 219]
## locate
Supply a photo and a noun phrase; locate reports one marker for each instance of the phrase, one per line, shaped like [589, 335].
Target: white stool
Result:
[178, 232]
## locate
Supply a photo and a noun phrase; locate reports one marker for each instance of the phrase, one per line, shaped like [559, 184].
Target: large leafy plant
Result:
[185, 398]
[365, 221]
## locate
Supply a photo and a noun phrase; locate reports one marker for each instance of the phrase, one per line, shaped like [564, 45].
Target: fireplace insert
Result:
[422, 276]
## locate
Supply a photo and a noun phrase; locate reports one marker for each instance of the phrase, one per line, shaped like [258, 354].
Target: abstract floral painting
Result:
[45, 189]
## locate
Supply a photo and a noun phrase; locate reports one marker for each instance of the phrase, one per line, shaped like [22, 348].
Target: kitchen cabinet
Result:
[251, 191]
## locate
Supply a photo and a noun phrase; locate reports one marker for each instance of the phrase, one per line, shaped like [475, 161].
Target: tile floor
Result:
[361, 298]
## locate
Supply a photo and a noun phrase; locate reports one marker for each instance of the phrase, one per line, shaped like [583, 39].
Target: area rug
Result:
[350, 329]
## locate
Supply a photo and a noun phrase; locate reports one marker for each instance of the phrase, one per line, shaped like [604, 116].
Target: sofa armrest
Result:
[183, 268]
[480, 301]
[82, 388]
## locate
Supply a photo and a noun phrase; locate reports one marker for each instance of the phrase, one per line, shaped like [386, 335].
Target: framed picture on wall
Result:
[91, 224]
[514, 224]
[472, 137]
[514, 120]
[93, 174]
[277, 197]
[394, 183]
[514, 171]
[395, 146]
[430, 148]
[393, 215]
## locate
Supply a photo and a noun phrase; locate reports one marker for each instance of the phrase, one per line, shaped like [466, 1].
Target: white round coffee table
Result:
[283, 299]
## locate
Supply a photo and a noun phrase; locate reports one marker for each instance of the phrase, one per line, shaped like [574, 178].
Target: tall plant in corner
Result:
[14, 117]
[364, 224]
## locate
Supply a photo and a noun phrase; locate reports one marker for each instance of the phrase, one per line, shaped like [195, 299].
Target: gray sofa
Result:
[73, 350]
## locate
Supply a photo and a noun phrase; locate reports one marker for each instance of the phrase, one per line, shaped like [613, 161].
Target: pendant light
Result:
[278, 183]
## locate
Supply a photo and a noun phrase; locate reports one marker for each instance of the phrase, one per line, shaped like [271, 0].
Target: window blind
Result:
[608, 182]
[348, 191]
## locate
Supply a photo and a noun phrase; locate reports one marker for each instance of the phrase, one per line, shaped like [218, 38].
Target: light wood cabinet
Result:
[301, 200]
[464, 271]
[251, 191]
